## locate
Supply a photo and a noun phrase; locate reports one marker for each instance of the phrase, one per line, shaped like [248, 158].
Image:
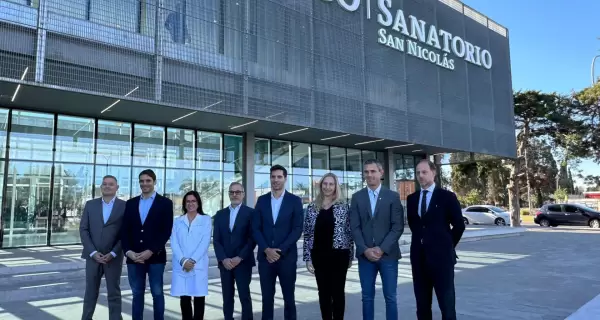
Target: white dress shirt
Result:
[373, 195]
[276, 205]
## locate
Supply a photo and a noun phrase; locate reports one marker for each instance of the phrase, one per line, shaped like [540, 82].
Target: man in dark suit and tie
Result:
[234, 248]
[431, 211]
[277, 227]
[100, 229]
[377, 222]
[147, 227]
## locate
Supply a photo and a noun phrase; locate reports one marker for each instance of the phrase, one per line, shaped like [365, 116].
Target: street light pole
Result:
[593, 65]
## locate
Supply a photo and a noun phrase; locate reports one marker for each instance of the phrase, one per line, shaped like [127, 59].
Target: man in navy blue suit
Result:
[431, 212]
[234, 248]
[147, 225]
[277, 227]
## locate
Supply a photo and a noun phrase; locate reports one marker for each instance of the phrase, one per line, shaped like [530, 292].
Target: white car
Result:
[485, 214]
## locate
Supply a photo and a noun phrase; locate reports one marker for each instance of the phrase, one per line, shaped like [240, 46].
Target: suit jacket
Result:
[153, 234]
[97, 235]
[381, 230]
[431, 233]
[237, 242]
[282, 234]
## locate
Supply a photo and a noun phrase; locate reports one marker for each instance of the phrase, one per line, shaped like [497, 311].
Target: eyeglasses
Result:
[236, 193]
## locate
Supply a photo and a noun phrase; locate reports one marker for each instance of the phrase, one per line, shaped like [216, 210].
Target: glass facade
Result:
[306, 164]
[50, 165]
[405, 166]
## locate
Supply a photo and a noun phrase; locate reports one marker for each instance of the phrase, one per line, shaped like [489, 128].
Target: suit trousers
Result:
[240, 276]
[93, 276]
[285, 270]
[331, 268]
[426, 278]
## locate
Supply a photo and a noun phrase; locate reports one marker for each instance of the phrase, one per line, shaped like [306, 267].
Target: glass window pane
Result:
[368, 155]
[180, 148]
[281, 153]
[178, 183]
[114, 143]
[3, 129]
[320, 160]
[262, 185]
[209, 150]
[301, 186]
[353, 163]
[209, 186]
[72, 188]
[149, 146]
[354, 185]
[337, 158]
[135, 180]
[301, 158]
[233, 159]
[27, 203]
[74, 139]
[31, 135]
[228, 178]
[408, 165]
[262, 155]
[123, 175]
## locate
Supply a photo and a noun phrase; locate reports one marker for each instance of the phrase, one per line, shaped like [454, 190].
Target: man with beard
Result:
[431, 211]
[277, 227]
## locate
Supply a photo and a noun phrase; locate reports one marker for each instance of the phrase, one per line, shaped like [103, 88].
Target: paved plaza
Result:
[543, 274]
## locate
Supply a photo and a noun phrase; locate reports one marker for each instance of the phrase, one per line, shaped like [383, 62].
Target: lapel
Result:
[112, 216]
[269, 210]
[378, 201]
[136, 201]
[282, 207]
[433, 201]
[152, 207]
[237, 218]
[367, 198]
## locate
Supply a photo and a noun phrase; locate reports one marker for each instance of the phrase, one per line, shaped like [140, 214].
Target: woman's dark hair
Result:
[197, 196]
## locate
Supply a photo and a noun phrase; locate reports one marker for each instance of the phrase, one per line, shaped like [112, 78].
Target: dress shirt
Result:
[276, 205]
[233, 212]
[373, 195]
[106, 210]
[145, 205]
[428, 199]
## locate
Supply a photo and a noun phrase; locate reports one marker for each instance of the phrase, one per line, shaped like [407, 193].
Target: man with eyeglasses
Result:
[234, 248]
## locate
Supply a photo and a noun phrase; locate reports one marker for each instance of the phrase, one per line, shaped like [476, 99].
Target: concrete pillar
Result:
[389, 170]
[248, 174]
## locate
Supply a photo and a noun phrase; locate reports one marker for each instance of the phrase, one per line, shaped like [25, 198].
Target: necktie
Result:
[424, 203]
[374, 203]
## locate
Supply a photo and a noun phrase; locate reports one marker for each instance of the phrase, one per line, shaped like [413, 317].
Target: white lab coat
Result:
[190, 241]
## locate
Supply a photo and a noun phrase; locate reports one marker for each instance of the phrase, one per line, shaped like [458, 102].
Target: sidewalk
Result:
[25, 261]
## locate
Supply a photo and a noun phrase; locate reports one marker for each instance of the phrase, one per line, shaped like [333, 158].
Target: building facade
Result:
[215, 91]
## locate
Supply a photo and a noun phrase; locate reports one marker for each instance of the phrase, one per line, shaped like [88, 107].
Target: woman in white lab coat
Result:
[189, 242]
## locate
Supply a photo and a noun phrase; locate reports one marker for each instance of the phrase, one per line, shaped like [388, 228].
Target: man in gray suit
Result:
[377, 221]
[100, 235]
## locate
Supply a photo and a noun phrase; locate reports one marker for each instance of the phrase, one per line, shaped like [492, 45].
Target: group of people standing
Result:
[335, 232]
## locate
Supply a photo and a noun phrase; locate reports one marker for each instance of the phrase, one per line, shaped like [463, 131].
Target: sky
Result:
[552, 44]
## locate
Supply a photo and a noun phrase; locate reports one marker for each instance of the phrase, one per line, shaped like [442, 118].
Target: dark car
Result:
[552, 215]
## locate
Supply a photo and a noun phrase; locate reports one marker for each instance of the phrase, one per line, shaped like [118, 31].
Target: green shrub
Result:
[525, 211]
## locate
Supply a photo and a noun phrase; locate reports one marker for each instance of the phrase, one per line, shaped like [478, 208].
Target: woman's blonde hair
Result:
[337, 197]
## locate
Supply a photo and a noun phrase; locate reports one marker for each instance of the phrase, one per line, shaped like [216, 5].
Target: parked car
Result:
[486, 214]
[552, 215]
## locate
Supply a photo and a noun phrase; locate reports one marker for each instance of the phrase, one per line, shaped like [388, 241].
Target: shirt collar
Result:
[376, 191]
[430, 189]
[110, 202]
[236, 209]
[281, 197]
[151, 197]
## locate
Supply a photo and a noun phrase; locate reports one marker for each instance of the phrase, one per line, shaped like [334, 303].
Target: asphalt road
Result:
[544, 274]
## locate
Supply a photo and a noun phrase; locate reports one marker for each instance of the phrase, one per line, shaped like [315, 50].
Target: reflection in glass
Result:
[159, 187]
[178, 183]
[281, 154]
[337, 162]
[368, 155]
[353, 186]
[209, 150]
[123, 175]
[74, 139]
[180, 148]
[27, 203]
[72, 188]
[408, 164]
[320, 160]
[233, 153]
[262, 155]
[31, 135]
[149, 146]
[209, 186]
[302, 188]
[353, 163]
[228, 178]
[3, 129]
[113, 145]
[262, 184]
[301, 158]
